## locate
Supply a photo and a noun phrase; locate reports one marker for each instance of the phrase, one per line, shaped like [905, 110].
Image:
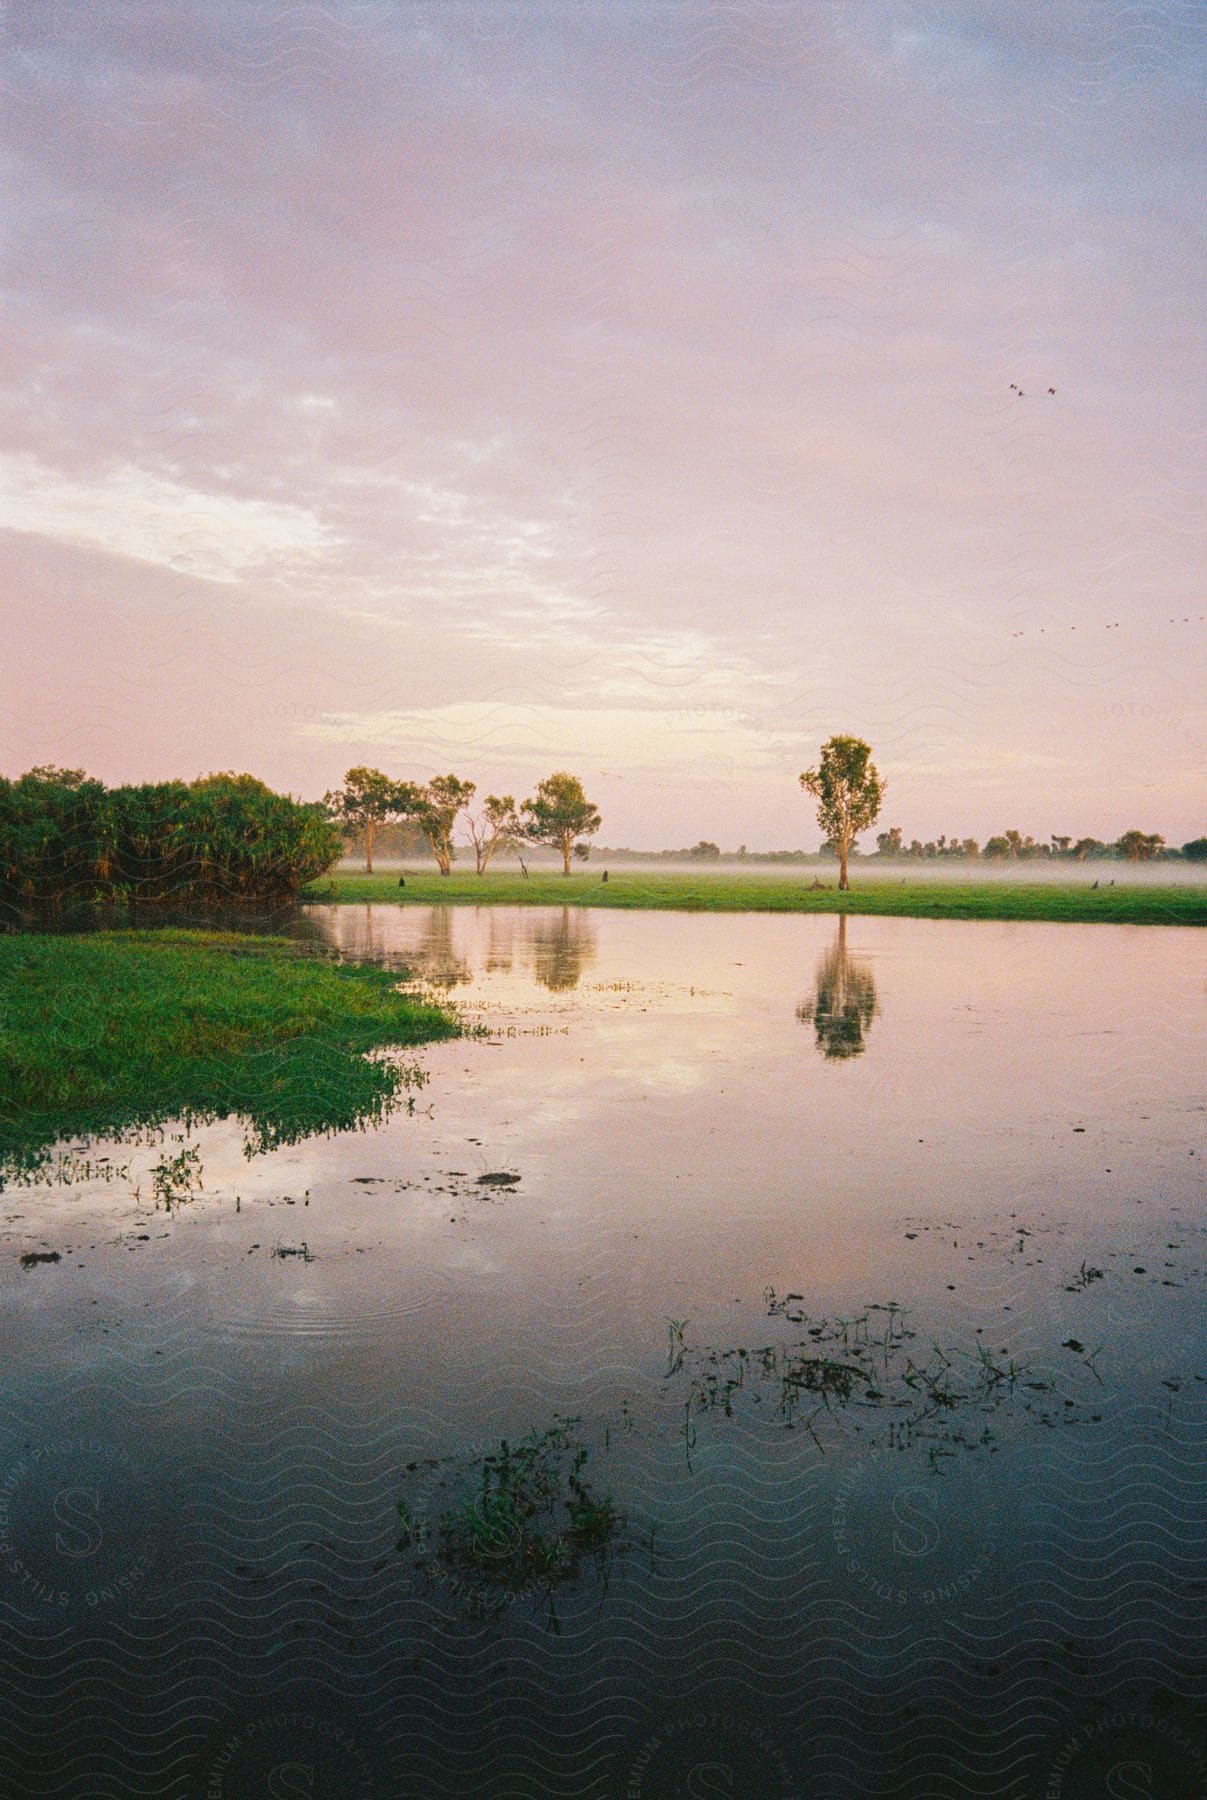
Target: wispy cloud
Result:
[127, 512]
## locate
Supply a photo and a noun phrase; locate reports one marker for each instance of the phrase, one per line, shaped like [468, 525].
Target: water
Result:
[972, 1562]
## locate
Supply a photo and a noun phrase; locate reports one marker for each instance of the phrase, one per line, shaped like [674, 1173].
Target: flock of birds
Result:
[1114, 626]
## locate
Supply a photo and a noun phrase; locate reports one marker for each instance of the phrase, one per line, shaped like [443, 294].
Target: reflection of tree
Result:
[435, 958]
[843, 1004]
[500, 945]
[562, 948]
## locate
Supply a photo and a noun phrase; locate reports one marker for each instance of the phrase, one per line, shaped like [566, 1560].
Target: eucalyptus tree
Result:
[848, 789]
[436, 808]
[559, 814]
[496, 827]
[367, 801]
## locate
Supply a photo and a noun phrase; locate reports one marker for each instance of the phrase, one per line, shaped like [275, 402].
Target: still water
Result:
[866, 1264]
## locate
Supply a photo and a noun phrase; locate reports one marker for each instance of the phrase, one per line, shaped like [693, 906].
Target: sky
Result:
[622, 387]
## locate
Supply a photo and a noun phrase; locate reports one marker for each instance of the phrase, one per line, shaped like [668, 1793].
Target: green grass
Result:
[102, 1033]
[1074, 902]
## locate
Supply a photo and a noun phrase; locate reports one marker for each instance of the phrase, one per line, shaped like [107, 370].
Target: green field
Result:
[1072, 902]
[120, 1029]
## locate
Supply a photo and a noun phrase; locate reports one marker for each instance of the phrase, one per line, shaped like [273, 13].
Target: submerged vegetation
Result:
[703, 892]
[940, 1398]
[125, 1029]
[524, 1520]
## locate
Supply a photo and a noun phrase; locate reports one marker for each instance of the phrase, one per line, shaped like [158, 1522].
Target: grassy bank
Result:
[1077, 902]
[121, 1029]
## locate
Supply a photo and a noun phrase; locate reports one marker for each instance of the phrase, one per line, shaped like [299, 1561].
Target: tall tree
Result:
[494, 828]
[848, 791]
[559, 814]
[438, 807]
[367, 801]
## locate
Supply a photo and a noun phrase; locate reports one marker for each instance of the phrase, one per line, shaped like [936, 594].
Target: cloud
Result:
[636, 742]
[127, 512]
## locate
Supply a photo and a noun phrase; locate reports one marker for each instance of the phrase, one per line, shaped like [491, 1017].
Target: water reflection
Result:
[843, 1003]
[443, 964]
[449, 947]
[562, 948]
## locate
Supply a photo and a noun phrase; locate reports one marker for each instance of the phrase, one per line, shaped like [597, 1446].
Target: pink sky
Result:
[621, 388]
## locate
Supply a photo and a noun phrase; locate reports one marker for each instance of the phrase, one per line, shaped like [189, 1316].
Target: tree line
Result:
[558, 814]
[1013, 846]
[68, 840]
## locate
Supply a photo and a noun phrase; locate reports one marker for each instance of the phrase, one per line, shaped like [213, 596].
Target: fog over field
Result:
[909, 869]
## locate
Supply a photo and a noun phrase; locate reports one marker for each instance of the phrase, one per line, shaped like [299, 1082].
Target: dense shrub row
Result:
[68, 841]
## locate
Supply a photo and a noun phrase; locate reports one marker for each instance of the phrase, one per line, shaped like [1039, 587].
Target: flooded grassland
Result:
[766, 1355]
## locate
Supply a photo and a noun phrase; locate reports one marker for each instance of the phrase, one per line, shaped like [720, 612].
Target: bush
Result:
[67, 841]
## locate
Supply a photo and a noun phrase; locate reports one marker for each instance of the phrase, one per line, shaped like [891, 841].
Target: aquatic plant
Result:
[177, 1178]
[526, 1520]
[868, 1365]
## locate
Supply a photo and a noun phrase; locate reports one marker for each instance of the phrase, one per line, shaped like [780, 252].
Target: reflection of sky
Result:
[675, 1105]
[598, 387]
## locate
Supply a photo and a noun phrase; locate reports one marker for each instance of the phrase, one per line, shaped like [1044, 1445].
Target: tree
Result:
[848, 791]
[436, 810]
[888, 843]
[1195, 850]
[495, 828]
[367, 801]
[705, 851]
[1089, 847]
[1140, 846]
[558, 814]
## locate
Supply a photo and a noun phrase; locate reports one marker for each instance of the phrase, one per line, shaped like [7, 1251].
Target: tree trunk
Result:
[565, 856]
[843, 884]
[369, 829]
